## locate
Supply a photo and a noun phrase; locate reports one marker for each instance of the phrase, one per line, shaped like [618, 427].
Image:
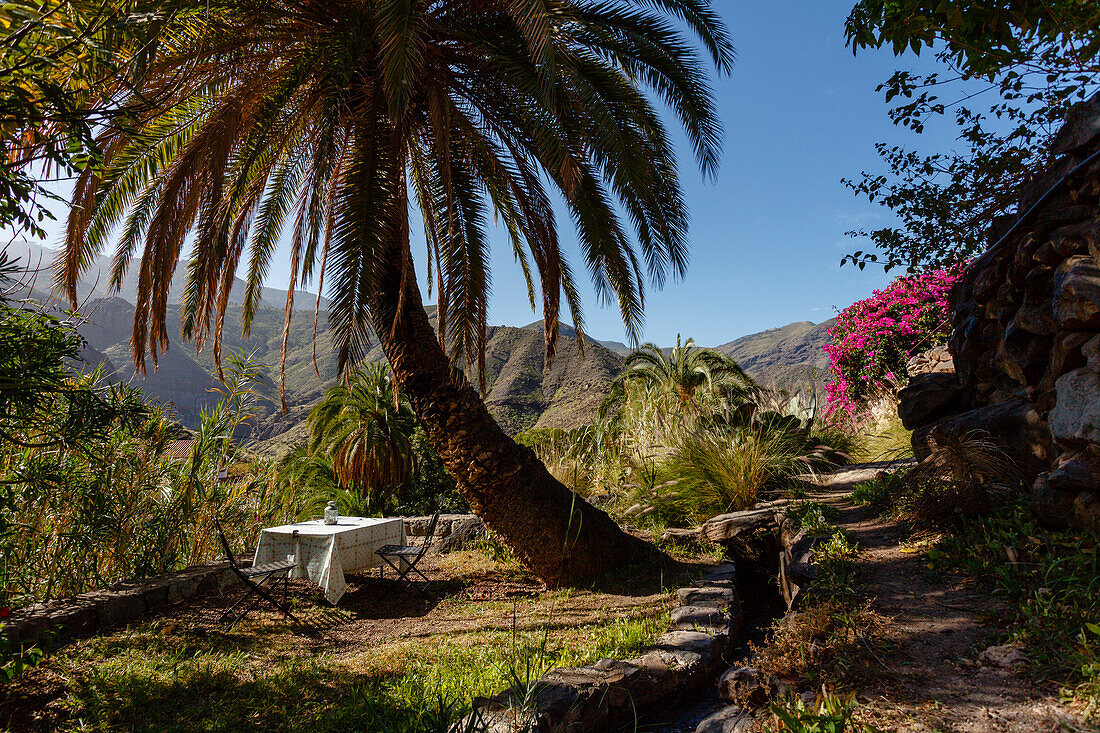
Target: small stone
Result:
[1005, 656]
[727, 720]
[708, 619]
[1091, 352]
[740, 684]
[715, 597]
[928, 397]
[1077, 293]
[1086, 511]
[1076, 413]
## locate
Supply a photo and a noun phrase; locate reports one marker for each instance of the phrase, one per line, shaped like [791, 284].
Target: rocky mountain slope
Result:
[788, 356]
[94, 283]
[523, 392]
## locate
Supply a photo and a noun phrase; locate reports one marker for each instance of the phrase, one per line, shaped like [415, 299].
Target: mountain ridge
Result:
[523, 390]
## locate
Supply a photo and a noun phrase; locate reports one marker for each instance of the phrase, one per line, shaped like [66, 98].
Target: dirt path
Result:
[937, 632]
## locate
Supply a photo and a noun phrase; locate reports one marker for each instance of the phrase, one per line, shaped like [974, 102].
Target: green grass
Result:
[1052, 588]
[814, 517]
[890, 441]
[834, 558]
[154, 680]
[878, 494]
[827, 714]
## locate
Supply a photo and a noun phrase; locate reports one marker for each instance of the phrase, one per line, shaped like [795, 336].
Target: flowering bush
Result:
[873, 338]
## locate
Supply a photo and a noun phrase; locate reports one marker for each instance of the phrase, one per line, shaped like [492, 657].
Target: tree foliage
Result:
[89, 492]
[65, 66]
[686, 372]
[364, 431]
[1036, 58]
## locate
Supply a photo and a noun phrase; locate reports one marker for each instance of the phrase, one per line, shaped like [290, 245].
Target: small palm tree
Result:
[305, 481]
[686, 373]
[364, 430]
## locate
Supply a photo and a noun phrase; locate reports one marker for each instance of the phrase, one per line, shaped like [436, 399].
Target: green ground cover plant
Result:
[176, 674]
[1051, 581]
[150, 682]
[829, 713]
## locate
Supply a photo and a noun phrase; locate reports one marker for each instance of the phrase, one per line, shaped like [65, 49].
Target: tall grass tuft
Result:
[963, 475]
[714, 472]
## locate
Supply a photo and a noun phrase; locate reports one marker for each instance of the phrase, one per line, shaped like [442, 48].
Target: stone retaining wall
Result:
[66, 619]
[55, 622]
[704, 630]
[1026, 337]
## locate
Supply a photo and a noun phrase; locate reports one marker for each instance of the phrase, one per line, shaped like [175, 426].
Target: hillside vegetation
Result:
[523, 392]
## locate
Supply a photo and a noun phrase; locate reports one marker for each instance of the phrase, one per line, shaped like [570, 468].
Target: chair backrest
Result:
[225, 544]
[431, 531]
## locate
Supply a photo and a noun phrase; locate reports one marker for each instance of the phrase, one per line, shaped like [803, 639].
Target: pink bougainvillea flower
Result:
[874, 337]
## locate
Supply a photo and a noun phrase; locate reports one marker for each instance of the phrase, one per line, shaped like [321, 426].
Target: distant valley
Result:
[522, 391]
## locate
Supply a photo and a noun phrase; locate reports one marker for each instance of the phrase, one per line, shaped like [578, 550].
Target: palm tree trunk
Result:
[552, 531]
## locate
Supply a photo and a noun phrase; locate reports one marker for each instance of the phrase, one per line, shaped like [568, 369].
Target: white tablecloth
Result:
[324, 552]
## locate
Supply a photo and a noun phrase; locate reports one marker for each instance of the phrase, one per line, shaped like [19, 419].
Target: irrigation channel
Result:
[761, 605]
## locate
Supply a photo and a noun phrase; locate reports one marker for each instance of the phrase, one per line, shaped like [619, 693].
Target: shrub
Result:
[873, 338]
[827, 640]
[963, 476]
[713, 472]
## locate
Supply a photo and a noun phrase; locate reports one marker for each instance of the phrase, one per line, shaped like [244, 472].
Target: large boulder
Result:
[1076, 414]
[1081, 128]
[928, 397]
[1070, 490]
[1077, 294]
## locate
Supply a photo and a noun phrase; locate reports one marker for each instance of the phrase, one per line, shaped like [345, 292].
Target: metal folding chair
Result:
[397, 555]
[254, 579]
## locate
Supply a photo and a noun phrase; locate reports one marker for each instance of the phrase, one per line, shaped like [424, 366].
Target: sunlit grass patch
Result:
[261, 675]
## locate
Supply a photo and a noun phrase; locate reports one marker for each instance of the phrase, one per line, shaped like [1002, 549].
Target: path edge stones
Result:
[704, 630]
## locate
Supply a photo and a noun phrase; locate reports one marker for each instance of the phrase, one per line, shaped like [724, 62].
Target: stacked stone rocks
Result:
[704, 630]
[1026, 340]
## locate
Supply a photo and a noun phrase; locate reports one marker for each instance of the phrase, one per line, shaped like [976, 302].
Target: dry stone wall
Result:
[704, 629]
[1026, 341]
[53, 623]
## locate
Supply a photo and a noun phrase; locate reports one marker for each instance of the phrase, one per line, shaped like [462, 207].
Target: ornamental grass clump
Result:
[875, 337]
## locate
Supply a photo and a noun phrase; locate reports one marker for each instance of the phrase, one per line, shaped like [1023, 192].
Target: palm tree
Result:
[685, 372]
[333, 114]
[365, 431]
[305, 481]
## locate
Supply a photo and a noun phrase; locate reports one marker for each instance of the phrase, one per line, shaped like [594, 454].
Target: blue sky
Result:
[800, 113]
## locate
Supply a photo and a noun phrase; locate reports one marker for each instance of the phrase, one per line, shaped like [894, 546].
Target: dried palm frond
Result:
[963, 472]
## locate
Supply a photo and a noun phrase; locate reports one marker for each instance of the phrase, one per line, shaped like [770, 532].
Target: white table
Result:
[324, 552]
